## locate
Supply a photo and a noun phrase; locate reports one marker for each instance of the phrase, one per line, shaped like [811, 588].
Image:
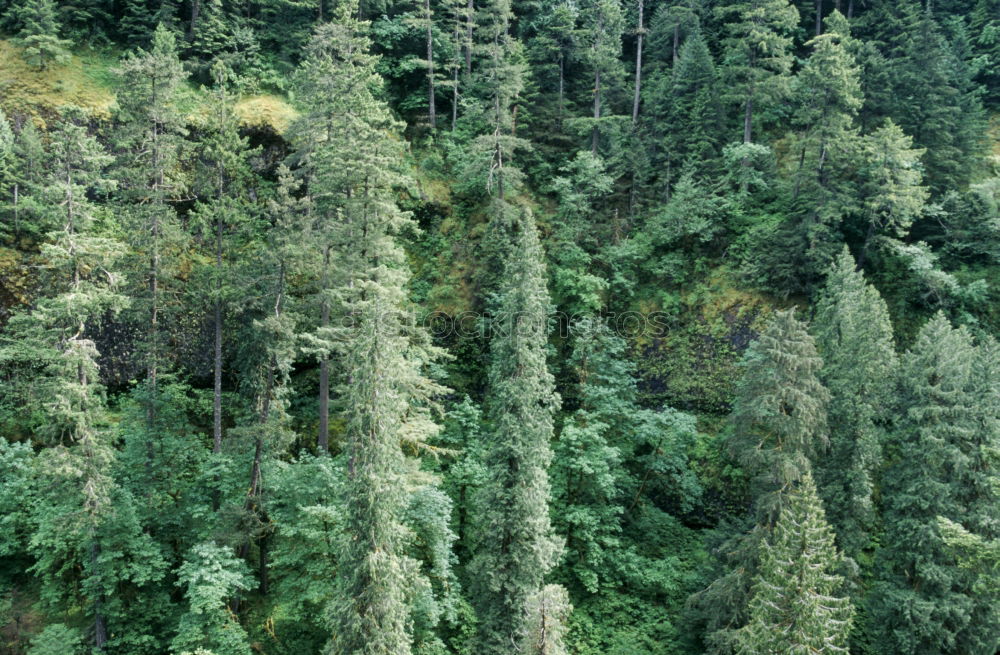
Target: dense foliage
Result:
[481, 327]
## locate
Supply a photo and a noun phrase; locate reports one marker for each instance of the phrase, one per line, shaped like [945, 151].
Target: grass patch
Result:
[29, 92]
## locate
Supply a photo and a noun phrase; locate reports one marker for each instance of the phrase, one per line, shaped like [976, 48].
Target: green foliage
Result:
[796, 606]
[211, 576]
[39, 34]
[854, 337]
[514, 543]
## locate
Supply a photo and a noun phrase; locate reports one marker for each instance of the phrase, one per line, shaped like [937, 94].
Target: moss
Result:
[266, 111]
[692, 363]
[28, 92]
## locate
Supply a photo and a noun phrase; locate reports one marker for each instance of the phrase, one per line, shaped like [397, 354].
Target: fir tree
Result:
[387, 395]
[797, 606]
[39, 34]
[515, 546]
[779, 423]
[757, 58]
[854, 337]
[150, 141]
[603, 23]
[695, 116]
[922, 602]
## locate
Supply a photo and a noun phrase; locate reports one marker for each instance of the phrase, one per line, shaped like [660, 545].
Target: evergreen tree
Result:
[694, 118]
[891, 190]
[39, 34]
[150, 140]
[386, 396]
[515, 546]
[797, 606]
[779, 422]
[757, 57]
[603, 23]
[854, 337]
[934, 98]
[922, 602]
[826, 149]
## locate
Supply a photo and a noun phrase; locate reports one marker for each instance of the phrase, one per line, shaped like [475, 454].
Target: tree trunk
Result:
[638, 67]
[323, 441]
[470, 22]
[677, 42]
[100, 621]
[597, 110]
[432, 110]
[454, 98]
[562, 87]
[195, 10]
[747, 120]
[850, 9]
[217, 372]
[819, 17]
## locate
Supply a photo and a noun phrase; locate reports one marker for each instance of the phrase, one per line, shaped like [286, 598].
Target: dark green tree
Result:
[758, 58]
[797, 604]
[39, 34]
[854, 337]
[922, 602]
[514, 544]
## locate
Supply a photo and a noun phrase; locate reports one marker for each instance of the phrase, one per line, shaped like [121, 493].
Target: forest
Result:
[496, 327]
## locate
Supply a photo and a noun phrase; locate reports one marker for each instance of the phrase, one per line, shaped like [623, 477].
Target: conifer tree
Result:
[694, 119]
[854, 337]
[935, 100]
[779, 422]
[514, 544]
[221, 181]
[891, 190]
[386, 396]
[797, 606]
[603, 24]
[150, 139]
[780, 411]
[85, 509]
[40, 34]
[922, 601]
[757, 57]
[826, 148]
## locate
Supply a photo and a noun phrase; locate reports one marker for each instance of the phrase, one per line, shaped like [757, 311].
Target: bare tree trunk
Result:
[217, 372]
[677, 42]
[597, 110]
[819, 17]
[454, 98]
[562, 87]
[100, 621]
[319, 16]
[432, 109]
[747, 120]
[850, 9]
[470, 23]
[638, 66]
[323, 441]
[195, 10]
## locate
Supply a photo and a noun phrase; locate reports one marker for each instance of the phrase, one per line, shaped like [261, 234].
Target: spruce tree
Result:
[779, 423]
[82, 510]
[694, 119]
[854, 337]
[150, 140]
[603, 23]
[39, 34]
[514, 544]
[922, 602]
[797, 605]
[355, 172]
[757, 59]
[891, 190]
